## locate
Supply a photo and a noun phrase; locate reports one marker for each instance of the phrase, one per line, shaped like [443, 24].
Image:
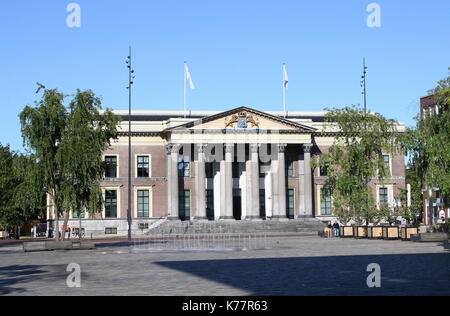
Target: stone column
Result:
[226, 168]
[253, 208]
[200, 183]
[172, 181]
[301, 179]
[282, 213]
[223, 200]
[308, 181]
[274, 166]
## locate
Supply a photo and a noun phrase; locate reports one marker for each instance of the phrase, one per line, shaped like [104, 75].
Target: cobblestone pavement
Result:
[288, 266]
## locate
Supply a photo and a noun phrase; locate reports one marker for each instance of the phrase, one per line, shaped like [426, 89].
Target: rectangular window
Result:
[111, 167]
[143, 203]
[324, 169]
[110, 204]
[326, 205]
[384, 197]
[143, 226]
[77, 215]
[387, 163]
[289, 166]
[111, 231]
[184, 168]
[143, 166]
[291, 203]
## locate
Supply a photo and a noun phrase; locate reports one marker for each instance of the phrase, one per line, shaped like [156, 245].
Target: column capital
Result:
[201, 148]
[307, 148]
[173, 148]
[229, 148]
[281, 148]
[254, 148]
[168, 149]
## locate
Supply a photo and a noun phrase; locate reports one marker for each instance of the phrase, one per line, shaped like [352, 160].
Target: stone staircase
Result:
[307, 226]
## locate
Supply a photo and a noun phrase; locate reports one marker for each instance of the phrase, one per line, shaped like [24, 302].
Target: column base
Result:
[253, 218]
[280, 218]
[200, 218]
[173, 218]
[227, 218]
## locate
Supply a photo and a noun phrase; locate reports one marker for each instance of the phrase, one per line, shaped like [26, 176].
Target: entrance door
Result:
[291, 204]
[237, 204]
[185, 205]
[210, 204]
[262, 203]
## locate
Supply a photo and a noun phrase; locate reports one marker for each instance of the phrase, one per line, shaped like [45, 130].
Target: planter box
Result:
[407, 232]
[347, 231]
[361, 232]
[53, 245]
[391, 232]
[375, 232]
[34, 246]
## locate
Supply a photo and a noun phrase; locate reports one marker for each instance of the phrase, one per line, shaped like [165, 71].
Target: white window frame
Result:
[119, 213]
[319, 202]
[136, 165]
[150, 201]
[390, 188]
[118, 163]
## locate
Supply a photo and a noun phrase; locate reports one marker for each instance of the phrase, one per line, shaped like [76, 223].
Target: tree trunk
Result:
[56, 232]
[66, 221]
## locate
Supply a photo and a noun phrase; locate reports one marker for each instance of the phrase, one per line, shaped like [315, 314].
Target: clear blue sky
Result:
[235, 50]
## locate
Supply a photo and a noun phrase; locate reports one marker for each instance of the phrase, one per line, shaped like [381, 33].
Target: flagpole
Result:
[284, 89]
[185, 90]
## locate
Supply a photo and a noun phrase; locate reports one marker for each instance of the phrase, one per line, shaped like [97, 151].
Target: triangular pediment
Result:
[245, 119]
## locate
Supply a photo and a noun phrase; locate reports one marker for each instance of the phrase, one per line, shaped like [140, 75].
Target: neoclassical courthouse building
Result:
[241, 164]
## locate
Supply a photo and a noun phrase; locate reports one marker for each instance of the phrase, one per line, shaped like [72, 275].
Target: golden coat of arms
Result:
[242, 120]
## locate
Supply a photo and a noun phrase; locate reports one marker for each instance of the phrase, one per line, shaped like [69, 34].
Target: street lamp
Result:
[130, 84]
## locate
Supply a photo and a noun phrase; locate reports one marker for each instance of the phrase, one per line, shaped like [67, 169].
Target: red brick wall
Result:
[157, 180]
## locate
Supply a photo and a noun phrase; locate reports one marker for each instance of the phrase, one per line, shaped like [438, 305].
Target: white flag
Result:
[188, 76]
[285, 77]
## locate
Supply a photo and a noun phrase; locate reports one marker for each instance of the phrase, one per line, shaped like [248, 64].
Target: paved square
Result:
[289, 266]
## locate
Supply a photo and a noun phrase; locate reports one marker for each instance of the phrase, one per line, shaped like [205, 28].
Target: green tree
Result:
[428, 147]
[412, 212]
[8, 216]
[88, 135]
[355, 158]
[22, 197]
[43, 129]
[67, 145]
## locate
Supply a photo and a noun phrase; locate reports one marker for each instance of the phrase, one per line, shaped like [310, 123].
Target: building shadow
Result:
[401, 275]
[12, 276]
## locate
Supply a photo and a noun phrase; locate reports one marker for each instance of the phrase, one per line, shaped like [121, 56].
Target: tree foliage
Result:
[68, 143]
[88, 134]
[22, 195]
[43, 128]
[428, 143]
[355, 158]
